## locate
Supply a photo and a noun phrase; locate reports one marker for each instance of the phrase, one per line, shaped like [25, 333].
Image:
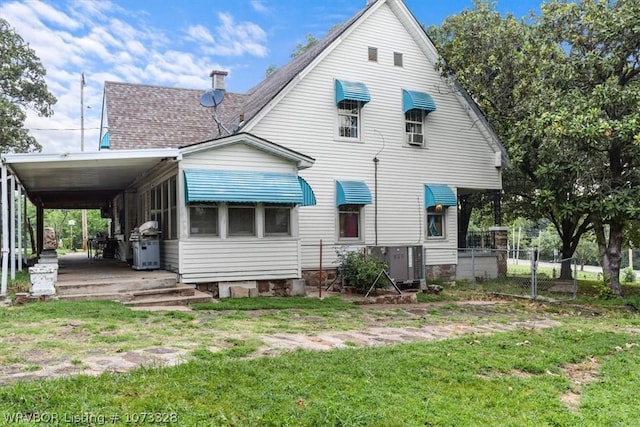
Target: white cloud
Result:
[236, 39]
[54, 16]
[200, 34]
[259, 6]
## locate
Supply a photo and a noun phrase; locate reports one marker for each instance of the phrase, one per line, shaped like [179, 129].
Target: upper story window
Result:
[348, 119]
[397, 59]
[373, 54]
[414, 126]
[350, 98]
[416, 106]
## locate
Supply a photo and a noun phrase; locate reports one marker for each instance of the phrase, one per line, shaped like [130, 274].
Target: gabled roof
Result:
[155, 116]
[302, 161]
[144, 116]
[260, 95]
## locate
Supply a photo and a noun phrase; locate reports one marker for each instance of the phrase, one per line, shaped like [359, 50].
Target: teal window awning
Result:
[439, 194]
[353, 91]
[308, 197]
[104, 141]
[202, 185]
[414, 100]
[352, 193]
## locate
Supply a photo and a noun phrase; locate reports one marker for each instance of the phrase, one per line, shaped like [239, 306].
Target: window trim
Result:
[408, 122]
[360, 212]
[358, 117]
[217, 219]
[400, 62]
[289, 209]
[253, 208]
[372, 54]
[433, 212]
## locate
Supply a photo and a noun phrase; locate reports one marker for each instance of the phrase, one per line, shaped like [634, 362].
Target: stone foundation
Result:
[277, 288]
[312, 277]
[210, 288]
[445, 272]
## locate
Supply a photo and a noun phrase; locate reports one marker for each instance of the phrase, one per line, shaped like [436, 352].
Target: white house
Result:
[358, 142]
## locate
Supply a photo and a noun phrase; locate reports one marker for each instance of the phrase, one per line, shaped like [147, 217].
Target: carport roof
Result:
[86, 180]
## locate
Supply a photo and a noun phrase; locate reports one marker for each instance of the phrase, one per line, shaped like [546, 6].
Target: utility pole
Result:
[85, 234]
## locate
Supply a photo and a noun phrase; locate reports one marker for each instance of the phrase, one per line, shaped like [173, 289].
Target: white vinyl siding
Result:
[207, 260]
[249, 256]
[458, 154]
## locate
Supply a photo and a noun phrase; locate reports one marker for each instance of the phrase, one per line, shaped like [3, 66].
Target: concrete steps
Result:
[185, 295]
[143, 292]
[114, 285]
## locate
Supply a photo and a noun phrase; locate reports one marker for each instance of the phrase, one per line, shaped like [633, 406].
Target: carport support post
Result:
[5, 231]
[40, 230]
[12, 207]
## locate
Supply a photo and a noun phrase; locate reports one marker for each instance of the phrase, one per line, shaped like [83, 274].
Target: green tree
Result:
[495, 59]
[303, 47]
[562, 92]
[596, 112]
[22, 87]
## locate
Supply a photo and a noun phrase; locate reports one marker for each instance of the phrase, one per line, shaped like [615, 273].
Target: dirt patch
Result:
[579, 374]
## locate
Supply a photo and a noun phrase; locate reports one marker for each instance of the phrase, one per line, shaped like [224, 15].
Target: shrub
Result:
[628, 275]
[360, 269]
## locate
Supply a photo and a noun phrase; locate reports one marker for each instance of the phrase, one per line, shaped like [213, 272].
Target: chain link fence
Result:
[527, 277]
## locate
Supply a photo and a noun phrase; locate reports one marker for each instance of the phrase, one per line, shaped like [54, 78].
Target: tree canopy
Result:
[562, 92]
[22, 87]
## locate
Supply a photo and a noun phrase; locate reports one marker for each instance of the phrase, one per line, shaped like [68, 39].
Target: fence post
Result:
[473, 268]
[500, 239]
[534, 274]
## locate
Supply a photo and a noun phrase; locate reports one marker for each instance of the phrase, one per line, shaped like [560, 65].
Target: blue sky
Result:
[174, 43]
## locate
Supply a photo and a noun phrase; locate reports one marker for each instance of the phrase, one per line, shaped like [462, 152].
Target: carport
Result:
[85, 180]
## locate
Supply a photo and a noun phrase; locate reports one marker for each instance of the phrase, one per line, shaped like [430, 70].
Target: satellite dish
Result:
[211, 98]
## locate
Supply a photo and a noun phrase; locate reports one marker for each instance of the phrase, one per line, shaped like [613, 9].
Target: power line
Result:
[62, 129]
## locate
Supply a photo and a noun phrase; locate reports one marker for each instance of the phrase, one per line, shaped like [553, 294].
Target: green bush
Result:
[360, 270]
[628, 275]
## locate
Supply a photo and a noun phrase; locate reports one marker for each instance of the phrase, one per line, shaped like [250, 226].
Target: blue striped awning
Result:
[439, 194]
[353, 91]
[203, 185]
[308, 197]
[412, 99]
[352, 193]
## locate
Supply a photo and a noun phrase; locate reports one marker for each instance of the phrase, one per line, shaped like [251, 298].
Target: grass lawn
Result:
[586, 372]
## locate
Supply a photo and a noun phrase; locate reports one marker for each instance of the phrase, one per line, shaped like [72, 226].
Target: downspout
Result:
[375, 188]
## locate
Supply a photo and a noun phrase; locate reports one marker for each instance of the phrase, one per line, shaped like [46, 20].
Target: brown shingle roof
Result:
[143, 116]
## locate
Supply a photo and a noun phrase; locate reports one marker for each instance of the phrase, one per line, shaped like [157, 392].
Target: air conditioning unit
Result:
[415, 139]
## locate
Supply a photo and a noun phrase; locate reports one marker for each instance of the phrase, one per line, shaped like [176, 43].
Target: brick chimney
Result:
[217, 79]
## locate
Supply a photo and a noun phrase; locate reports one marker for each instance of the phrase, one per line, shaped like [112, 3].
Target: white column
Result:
[5, 230]
[20, 228]
[12, 215]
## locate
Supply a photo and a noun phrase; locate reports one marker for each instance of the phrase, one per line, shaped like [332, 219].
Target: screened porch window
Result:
[277, 220]
[242, 220]
[203, 220]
